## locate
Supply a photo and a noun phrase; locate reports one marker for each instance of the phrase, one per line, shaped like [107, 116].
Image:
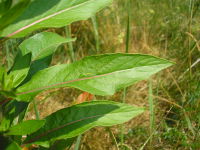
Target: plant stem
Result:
[78, 142]
[37, 114]
[96, 34]
[70, 44]
[127, 51]
[128, 29]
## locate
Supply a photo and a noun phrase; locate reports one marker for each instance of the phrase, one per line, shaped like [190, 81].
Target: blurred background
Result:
[165, 28]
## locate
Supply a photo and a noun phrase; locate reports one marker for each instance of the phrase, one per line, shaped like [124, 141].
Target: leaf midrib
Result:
[76, 80]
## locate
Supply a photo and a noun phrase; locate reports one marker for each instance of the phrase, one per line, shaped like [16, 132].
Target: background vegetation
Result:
[165, 28]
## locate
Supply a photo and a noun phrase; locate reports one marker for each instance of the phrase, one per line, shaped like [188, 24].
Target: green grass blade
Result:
[151, 109]
[78, 142]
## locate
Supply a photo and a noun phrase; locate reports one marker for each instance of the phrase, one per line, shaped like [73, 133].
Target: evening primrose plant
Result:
[31, 74]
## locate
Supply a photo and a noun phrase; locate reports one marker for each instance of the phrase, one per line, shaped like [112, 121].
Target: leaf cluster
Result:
[30, 74]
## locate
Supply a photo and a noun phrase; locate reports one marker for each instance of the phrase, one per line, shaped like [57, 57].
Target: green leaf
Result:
[7, 144]
[9, 111]
[63, 144]
[26, 127]
[12, 14]
[13, 146]
[38, 65]
[55, 13]
[72, 121]
[99, 75]
[20, 68]
[42, 44]
[5, 6]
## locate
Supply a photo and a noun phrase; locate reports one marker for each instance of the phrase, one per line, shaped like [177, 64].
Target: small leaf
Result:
[42, 44]
[98, 75]
[20, 68]
[11, 110]
[54, 13]
[72, 121]
[26, 127]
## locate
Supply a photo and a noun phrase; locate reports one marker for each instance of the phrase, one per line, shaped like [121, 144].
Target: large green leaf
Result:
[54, 13]
[26, 127]
[72, 121]
[99, 75]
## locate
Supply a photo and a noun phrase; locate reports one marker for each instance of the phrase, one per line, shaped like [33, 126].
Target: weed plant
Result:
[168, 29]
